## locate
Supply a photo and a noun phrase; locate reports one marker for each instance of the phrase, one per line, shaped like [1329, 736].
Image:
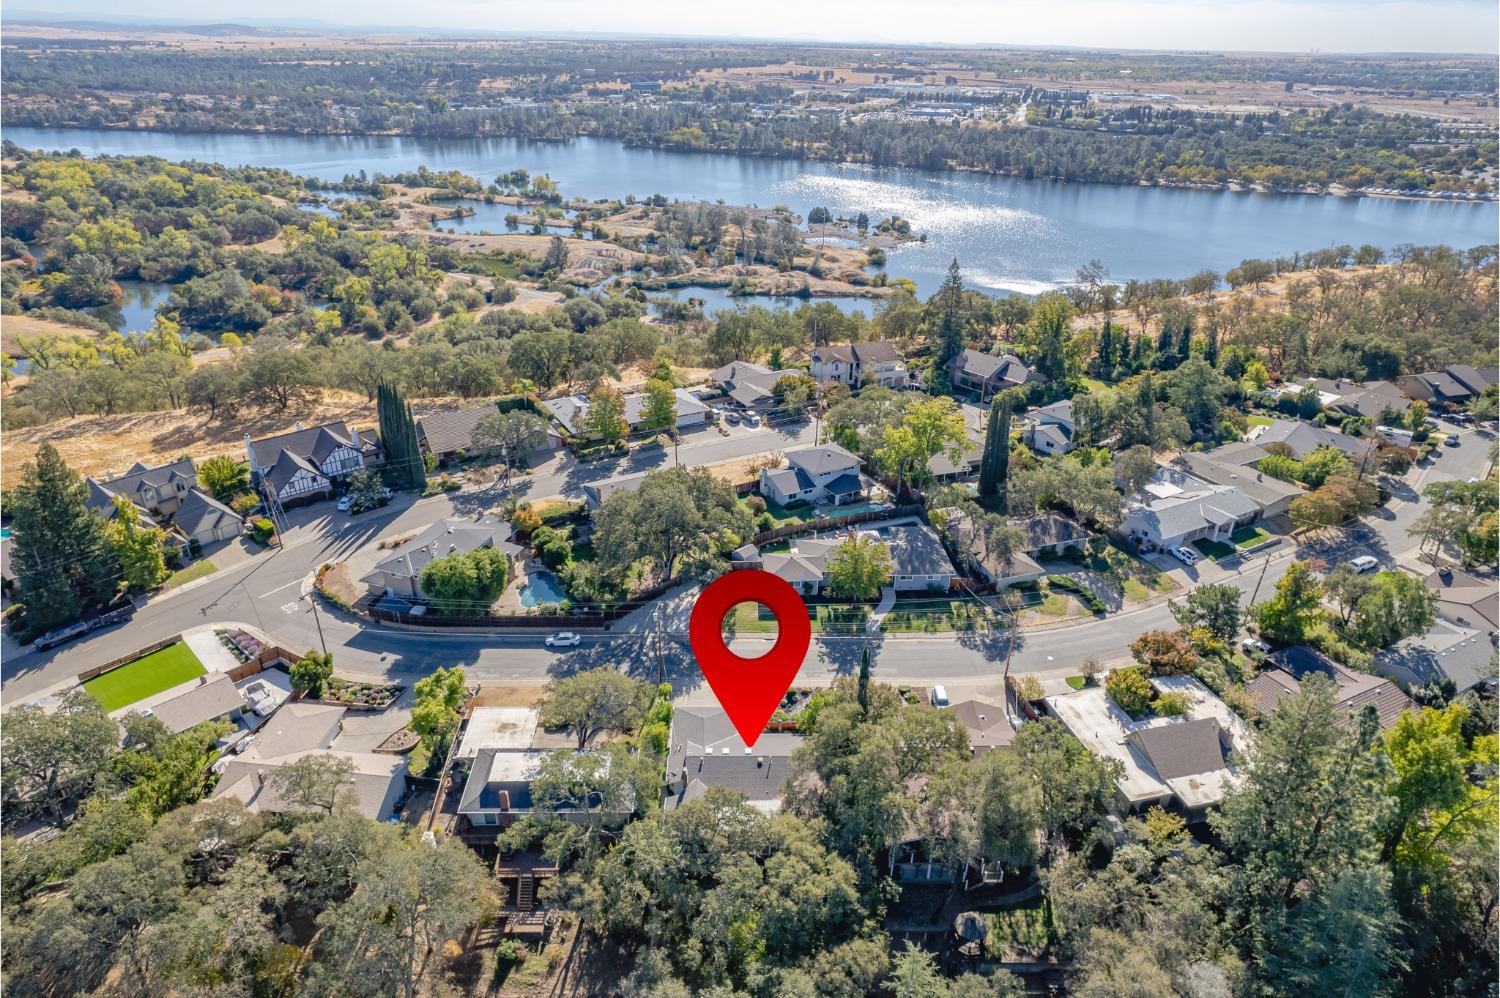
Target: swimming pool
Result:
[861, 507]
[541, 589]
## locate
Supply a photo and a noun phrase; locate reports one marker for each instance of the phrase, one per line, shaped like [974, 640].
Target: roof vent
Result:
[747, 750]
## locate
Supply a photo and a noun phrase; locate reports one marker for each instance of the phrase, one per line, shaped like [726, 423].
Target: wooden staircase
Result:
[526, 893]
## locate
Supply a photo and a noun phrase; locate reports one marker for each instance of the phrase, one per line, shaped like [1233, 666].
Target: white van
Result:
[939, 697]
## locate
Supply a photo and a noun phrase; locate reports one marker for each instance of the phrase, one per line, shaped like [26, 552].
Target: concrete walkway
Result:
[210, 650]
[886, 605]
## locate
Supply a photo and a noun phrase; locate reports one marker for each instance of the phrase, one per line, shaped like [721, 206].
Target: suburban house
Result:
[1182, 764]
[822, 474]
[1175, 509]
[704, 751]
[1293, 666]
[302, 466]
[204, 519]
[750, 386]
[1465, 599]
[944, 469]
[859, 364]
[447, 434]
[571, 412]
[296, 731]
[213, 698]
[1022, 567]
[400, 572]
[975, 371]
[1050, 429]
[918, 559]
[986, 723]
[498, 790]
[1304, 438]
[1233, 465]
[1049, 535]
[1454, 384]
[594, 495]
[1445, 652]
[158, 491]
[168, 497]
[1376, 400]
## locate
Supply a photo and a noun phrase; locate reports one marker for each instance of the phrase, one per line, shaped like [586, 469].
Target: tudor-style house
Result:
[858, 364]
[303, 465]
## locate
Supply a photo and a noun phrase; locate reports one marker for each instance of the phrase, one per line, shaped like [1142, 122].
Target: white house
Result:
[823, 474]
[1050, 429]
[857, 364]
[1176, 509]
[301, 466]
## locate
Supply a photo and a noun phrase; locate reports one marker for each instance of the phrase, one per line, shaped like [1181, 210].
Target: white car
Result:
[345, 504]
[1364, 563]
[1185, 555]
[752, 420]
[939, 696]
[1253, 644]
[563, 639]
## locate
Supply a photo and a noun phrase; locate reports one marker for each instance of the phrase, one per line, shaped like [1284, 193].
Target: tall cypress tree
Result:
[864, 682]
[398, 434]
[994, 462]
[62, 559]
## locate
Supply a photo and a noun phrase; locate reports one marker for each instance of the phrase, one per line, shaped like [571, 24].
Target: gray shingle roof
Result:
[130, 482]
[1355, 689]
[876, 352]
[823, 459]
[288, 464]
[213, 697]
[446, 432]
[314, 443]
[200, 511]
[1304, 438]
[916, 550]
[443, 538]
[1049, 528]
[1185, 748]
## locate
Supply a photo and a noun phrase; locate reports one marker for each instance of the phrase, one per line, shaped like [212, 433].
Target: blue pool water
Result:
[541, 589]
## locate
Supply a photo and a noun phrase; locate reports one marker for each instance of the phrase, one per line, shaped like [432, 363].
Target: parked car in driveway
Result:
[731, 417]
[1451, 440]
[1253, 645]
[1185, 555]
[752, 420]
[1364, 563]
[563, 639]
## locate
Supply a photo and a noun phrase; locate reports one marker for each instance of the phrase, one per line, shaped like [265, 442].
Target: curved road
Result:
[267, 591]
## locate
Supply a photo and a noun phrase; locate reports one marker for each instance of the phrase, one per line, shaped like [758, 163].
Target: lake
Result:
[1008, 234]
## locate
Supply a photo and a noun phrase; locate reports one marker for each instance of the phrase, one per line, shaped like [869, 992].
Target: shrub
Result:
[244, 503]
[525, 520]
[764, 522]
[261, 530]
[1028, 688]
[1129, 689]
[1172, 704]
[757, 505]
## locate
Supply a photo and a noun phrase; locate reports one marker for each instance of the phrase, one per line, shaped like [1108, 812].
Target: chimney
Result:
[297, 425]
[250, 453]
[354, 437]
[505, 800]
[260, 777]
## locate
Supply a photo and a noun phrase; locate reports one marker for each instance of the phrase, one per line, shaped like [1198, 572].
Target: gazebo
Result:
[970, 929]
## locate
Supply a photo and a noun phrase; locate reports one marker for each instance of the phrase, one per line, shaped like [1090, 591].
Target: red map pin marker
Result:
[749, 689]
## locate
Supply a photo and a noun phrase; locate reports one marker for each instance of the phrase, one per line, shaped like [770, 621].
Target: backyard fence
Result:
[830, 522]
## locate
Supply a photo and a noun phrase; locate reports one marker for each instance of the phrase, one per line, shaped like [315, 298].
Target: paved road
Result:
[266, 592]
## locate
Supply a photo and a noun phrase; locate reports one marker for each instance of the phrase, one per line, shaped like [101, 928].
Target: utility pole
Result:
[1265, 563]
[312, 601]
[661, 659]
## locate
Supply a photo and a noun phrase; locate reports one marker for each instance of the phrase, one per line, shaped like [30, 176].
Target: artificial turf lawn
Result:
[161, 670]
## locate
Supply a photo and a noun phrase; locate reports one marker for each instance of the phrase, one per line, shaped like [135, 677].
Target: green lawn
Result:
[1077, 682]
[161, 670]
[1255, 420]
[196, 570]
[1214, 550]
[752, 618]
[783, 516]
[1027, 926]
[1094, 384]
[929, 614]
[1249, 537]
[1136, 591]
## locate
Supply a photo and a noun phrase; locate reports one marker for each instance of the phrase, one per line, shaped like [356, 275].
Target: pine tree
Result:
[994, 462]
[1211, 347]
[1104, 358]
[951, 320]
[398, 434]
[62, 559]
[1185, 342]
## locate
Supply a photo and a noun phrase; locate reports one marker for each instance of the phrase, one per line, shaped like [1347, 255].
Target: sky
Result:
[1229, 25]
